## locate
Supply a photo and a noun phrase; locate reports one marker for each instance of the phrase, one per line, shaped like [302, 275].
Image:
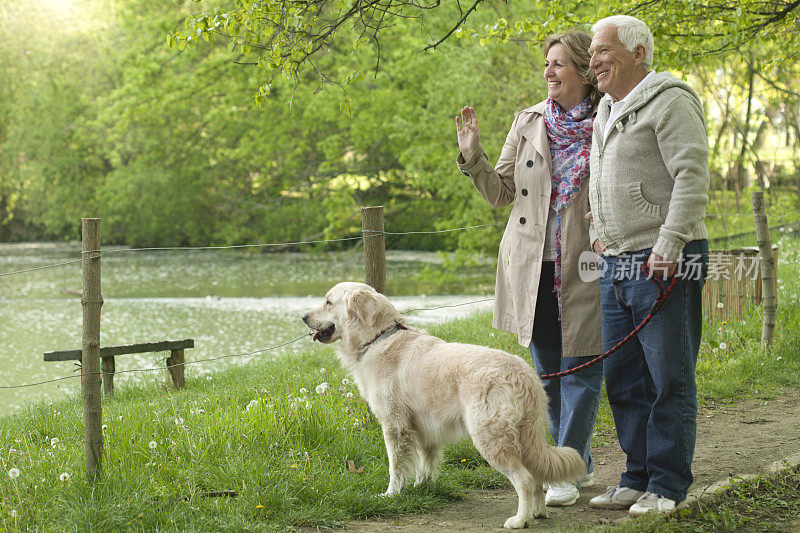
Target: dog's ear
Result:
[362, 307]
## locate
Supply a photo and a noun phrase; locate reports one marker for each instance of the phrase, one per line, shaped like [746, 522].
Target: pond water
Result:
[228, 301]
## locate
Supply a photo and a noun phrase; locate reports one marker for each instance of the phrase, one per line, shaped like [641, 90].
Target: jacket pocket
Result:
[641, 203]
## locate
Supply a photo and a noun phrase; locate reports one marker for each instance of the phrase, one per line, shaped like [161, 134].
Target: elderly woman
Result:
[541, 294]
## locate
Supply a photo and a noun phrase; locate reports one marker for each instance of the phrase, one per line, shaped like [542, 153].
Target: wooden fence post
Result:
[374, 247]
[175, 364]
[766, 263]
[91, 301]
[109, 367]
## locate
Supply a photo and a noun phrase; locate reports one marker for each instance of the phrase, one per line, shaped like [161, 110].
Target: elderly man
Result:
[648, 190]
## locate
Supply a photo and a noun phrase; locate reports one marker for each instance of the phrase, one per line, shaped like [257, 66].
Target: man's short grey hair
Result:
[632, 33]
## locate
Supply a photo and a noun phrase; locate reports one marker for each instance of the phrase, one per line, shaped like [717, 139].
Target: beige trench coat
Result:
[523, 176]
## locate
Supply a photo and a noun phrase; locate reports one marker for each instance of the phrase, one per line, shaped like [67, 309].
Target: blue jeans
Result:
[650, 381]
[572, 400]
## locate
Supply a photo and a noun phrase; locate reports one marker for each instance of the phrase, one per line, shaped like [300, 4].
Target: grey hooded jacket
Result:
[648, 185]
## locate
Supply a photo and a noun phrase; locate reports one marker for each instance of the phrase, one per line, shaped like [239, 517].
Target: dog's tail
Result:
[557, 464]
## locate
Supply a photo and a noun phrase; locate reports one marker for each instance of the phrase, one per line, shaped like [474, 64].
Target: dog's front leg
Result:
[399, 446]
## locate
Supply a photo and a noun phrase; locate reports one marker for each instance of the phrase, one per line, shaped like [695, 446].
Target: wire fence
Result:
[209, 359]
[370, 233]
[365, 233]
[260, 245]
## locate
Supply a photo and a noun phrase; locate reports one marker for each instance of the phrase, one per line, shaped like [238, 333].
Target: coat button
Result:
[529, 163]
[524, 192]
[521, 220]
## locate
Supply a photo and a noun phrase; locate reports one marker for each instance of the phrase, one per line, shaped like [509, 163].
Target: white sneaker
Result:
[561, 495]
[587, 481]
[652, 502]
[616, 497]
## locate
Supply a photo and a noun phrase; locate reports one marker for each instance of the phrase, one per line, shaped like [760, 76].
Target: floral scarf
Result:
[570, 136]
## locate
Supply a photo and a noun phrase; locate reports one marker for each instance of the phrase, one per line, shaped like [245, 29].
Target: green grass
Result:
[263, 431]
[769, 502]
[732, 364]
[726, 217]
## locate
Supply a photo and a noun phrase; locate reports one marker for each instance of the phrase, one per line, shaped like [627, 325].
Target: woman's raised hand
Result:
[467, 130]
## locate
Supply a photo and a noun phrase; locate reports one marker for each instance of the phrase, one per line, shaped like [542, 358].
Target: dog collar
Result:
[391, 330]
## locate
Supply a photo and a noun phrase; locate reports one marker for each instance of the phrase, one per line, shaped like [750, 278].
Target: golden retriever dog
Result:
[427, 393]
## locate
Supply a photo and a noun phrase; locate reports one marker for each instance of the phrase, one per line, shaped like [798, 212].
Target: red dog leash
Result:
[662, 296]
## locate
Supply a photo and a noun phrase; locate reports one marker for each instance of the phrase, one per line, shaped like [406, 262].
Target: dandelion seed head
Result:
[322, 388]
[54, 442]
[720, 305]
[723, 346]
[153, 445]
[64, 477]
[13, 473]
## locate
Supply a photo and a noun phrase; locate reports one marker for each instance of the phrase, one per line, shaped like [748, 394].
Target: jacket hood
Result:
[658, 83]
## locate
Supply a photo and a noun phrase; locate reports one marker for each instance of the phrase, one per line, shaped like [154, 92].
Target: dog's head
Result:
[353, 312]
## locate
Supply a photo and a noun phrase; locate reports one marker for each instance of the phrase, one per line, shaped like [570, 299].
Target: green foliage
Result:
[107, 119]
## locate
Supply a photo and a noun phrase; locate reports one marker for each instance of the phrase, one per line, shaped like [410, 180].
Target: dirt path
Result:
[733, 439]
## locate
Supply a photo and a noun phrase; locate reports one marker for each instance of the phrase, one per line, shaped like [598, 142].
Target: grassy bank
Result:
[293, 439]
[769, 502]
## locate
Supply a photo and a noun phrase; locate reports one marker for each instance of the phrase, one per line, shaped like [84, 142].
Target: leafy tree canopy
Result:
[287, 38]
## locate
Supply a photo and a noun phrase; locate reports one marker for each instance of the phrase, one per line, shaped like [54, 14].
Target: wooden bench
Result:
[175, 362]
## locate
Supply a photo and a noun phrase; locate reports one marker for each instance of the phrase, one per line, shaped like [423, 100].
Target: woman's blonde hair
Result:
[577, 43]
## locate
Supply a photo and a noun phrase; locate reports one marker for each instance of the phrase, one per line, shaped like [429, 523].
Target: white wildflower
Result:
[13, 473]
[14, 514]
[720, 305]
[105, 427]
[723, 346]
[349, 394]
[322, 387]
[53, 442]
[179, 421]
[345, 382]
[153, 445]
[322, 370]
[64, 476]
[304, 390]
